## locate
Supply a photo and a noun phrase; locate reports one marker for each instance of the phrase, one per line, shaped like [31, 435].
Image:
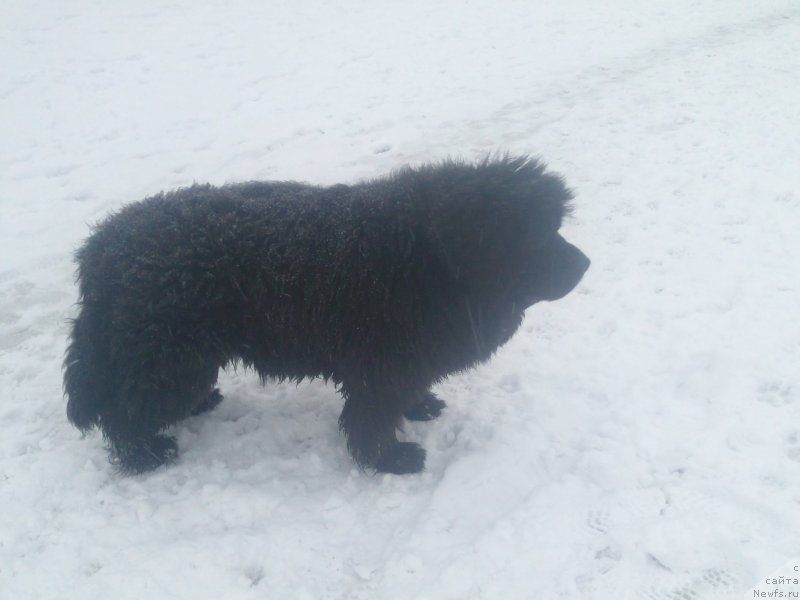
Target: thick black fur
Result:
[383, 287]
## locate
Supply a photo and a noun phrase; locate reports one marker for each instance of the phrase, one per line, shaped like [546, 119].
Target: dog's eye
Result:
[544, 240]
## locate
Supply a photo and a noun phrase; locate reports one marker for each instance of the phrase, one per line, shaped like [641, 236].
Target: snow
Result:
[638, 439]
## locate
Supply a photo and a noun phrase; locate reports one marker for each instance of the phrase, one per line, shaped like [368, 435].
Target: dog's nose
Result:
[584, 263]
[568, 266]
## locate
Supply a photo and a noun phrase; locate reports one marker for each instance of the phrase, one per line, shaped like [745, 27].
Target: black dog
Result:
[383, 287]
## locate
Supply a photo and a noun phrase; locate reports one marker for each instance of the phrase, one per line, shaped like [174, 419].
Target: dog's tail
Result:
[83, 371]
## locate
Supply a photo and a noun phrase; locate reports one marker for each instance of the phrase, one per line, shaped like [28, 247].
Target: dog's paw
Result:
[210, 403]
[402, 458]
[135, 459]
[428, 407]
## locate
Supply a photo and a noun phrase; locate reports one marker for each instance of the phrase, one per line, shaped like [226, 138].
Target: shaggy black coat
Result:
[383, 287]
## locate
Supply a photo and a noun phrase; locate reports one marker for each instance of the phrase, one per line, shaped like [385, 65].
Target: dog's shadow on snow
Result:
[275, 426]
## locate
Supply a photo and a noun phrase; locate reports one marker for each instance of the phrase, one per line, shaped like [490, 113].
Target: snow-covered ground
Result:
[639, 439]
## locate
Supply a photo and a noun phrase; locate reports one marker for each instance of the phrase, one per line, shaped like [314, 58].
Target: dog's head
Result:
[496, 224]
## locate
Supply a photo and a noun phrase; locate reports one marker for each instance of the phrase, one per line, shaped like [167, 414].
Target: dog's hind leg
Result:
[369, 420]
[131, 428]
[150, 398]
[85, 369]
[425, 407]
[136, 449]
[209, 403]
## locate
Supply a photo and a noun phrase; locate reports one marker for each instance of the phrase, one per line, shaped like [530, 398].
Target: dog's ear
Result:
[540, 198]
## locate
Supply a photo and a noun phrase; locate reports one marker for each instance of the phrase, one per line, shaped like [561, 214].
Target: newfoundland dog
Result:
[384, 287]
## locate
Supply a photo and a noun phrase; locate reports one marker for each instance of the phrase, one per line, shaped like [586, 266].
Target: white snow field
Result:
[639, 439]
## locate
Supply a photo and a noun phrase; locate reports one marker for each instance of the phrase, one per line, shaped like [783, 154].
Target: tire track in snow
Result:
[594, 80]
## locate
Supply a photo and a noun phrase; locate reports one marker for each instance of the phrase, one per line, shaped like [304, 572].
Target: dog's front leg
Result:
[425, 407]
[369, 420]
